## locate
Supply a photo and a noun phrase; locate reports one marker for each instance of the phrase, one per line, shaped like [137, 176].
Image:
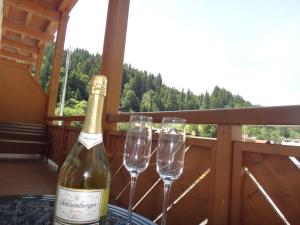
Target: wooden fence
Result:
[225, 180]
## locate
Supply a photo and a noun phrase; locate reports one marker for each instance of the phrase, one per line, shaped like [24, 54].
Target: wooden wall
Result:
[195, 181]
[21, 97]
[225, 180]
[189, 194]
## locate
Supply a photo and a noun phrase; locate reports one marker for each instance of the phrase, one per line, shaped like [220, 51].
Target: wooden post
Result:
[38, 64]
[58, 54]
[113, 55]
[221, 174]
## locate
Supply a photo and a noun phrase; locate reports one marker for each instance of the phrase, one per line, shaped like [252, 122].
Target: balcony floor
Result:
[27, 177]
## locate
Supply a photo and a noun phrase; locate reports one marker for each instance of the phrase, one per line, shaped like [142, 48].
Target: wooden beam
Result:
[5, 15]
[67, 5]
[50, 29]
[15, 56]
[19, 45]
[38, 64]
[11, 62]
[27, 23]
[113, 55]
[278, 115]
[58, 54]
[28, 19]
[63, 5]
[273, 149]
[36, 8]
[26, 30]
[6, 10]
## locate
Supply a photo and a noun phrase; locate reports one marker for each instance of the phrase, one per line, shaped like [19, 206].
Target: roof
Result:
[28, 25]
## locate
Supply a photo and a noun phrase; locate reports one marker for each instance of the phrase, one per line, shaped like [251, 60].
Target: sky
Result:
[251, 48]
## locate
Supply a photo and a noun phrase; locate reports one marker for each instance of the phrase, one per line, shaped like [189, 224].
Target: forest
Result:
[142, 91]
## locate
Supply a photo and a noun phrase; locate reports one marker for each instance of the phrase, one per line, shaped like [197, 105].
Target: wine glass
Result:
[170, 155]
[137, 151]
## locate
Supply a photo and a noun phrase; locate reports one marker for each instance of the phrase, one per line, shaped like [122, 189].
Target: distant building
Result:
[295, 142]
[253, 139]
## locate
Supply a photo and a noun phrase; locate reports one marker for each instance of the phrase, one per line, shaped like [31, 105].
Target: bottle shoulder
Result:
[85, 167]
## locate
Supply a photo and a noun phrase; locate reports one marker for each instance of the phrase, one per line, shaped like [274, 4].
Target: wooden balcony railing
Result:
[225, 180]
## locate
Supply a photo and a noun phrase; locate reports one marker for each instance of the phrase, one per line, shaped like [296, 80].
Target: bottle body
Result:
[83, 186]
[84, 178]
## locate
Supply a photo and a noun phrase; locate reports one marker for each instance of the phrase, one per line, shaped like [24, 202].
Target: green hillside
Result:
[144, 91]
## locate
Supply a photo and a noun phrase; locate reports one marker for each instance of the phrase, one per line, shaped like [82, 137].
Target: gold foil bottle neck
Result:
[98, 85]
[93, 119]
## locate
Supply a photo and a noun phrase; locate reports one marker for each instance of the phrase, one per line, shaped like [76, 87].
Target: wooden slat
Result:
[15, 56]
[113, 54]
[30, 131]
[36, 8]
[21, 148]
[271, 149]
[33, 126]
[71, 136]
[280, 179]
[196, 162]
[58, 54]
[23, 142]
[281, 115]
[15, 135]
[235, 209]
[193, 208]
[27, 31]
[23, 138]
[56, 143]
[19, 45]
[255, 209]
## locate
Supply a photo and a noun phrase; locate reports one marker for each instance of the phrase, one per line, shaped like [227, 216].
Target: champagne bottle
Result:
[84, 178]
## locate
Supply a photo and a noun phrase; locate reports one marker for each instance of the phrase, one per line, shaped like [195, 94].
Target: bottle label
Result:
[90, 140]
[78, 206]
[55, 222]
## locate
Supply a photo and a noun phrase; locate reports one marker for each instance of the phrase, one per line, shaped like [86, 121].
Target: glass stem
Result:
[167, 188]
[132, 192]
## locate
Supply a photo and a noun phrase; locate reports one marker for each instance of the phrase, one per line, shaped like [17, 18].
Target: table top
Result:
[38, 210]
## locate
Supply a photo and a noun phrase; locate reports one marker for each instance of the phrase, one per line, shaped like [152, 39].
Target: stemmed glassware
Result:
[170, 155]
[137, 151]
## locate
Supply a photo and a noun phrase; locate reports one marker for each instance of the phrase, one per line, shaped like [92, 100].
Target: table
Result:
[38, 210]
